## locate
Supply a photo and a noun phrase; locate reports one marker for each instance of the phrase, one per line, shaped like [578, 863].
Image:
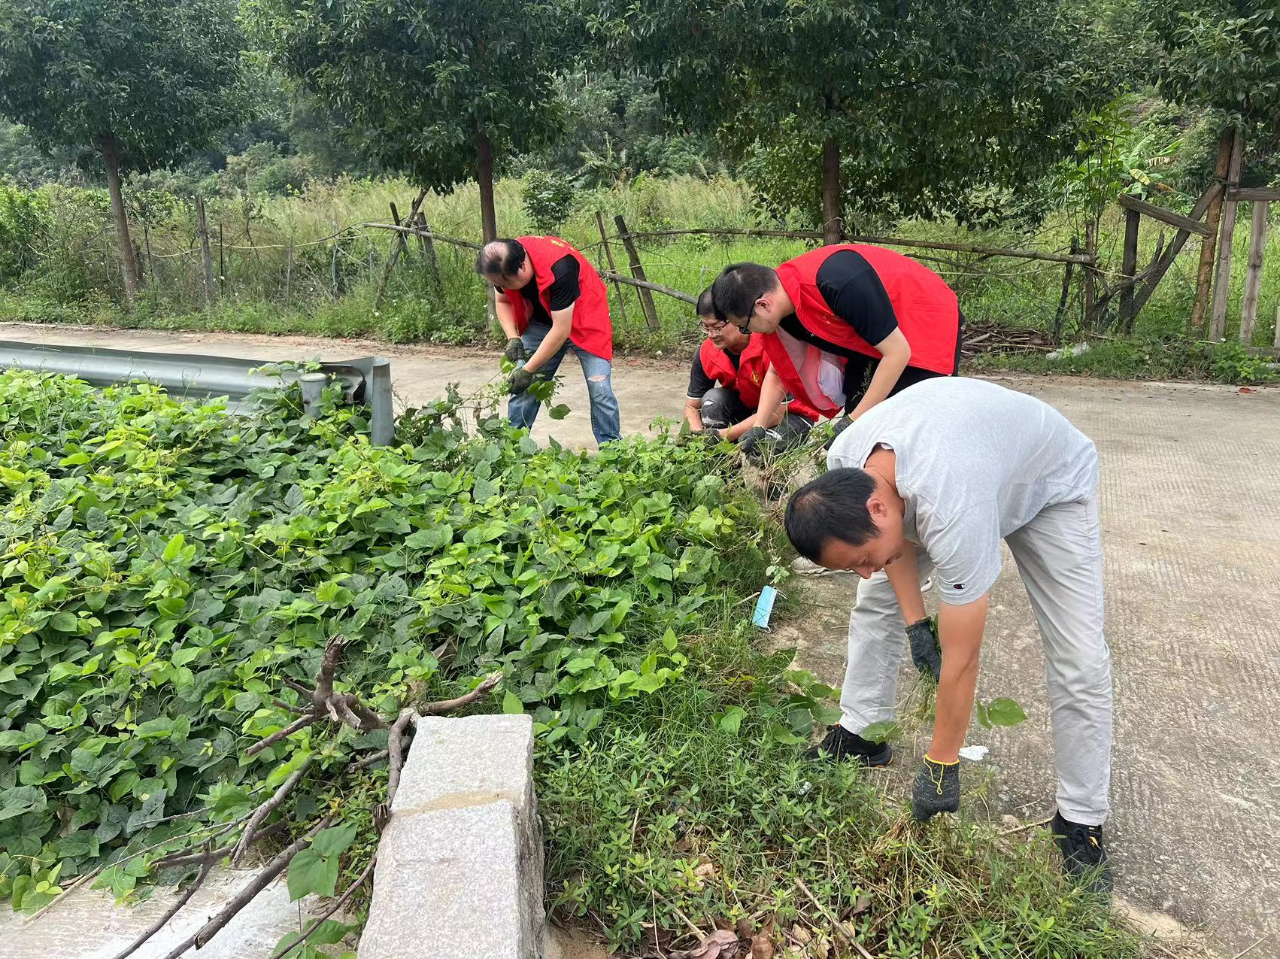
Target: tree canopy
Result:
[158, 77]
[920, 101]
[136, 84]
[432, 90]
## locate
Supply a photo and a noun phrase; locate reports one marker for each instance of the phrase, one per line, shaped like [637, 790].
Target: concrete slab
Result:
[86, 925]
[1191, 513]
[460, 863]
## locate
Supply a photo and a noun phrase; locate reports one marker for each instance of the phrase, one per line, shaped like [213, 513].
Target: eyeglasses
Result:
[714, 327]
[745, 325]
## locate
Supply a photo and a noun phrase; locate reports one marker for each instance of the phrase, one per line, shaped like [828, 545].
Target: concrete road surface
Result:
[1191, 515]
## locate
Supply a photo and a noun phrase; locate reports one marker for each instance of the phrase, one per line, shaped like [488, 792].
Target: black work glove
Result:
[937, 789]
[925, 652]
[842, 424]
[705, 435]
[520, 380]
[749, 442]
[514, 351]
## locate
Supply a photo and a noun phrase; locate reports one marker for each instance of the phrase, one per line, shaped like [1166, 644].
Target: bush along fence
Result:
[190, 263]
[1110, 302]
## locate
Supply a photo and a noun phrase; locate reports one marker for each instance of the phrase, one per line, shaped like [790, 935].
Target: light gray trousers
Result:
[1059, 555]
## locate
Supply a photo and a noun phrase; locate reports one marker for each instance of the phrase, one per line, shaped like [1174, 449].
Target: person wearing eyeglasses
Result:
[724, 389]
[844, 326]
[552, 300]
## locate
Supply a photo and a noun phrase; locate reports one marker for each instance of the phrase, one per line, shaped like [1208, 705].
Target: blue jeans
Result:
[522, 410]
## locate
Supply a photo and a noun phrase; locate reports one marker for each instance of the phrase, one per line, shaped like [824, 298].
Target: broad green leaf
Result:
[334, 840]
[1005, 712]
[731, 720]
[311, 874]
[174, 548]
[511, 703]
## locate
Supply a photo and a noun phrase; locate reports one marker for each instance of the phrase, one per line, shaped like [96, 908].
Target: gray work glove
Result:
[925, 652]
[521, 379]
[514, 351]
[937, 789]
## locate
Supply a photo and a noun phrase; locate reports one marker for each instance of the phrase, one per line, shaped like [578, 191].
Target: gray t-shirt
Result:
[975, 462]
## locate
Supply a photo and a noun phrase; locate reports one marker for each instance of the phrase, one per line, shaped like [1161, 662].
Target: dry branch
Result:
[169, 913]
[246, 895]
[466, 699]
[259, 815]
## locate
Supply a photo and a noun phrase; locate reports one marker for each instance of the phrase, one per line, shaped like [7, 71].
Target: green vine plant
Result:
[217, 632]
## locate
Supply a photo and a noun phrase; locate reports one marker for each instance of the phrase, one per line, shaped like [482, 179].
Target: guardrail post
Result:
[382, 424]
[312, 393]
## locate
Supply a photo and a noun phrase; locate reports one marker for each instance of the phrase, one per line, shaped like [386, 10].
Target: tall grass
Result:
[280, 268]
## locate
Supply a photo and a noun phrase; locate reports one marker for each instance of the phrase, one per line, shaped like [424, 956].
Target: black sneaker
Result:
[840, 744]
[1083, 855]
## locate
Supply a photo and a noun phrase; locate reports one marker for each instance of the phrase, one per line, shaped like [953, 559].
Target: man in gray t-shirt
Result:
[930, 482]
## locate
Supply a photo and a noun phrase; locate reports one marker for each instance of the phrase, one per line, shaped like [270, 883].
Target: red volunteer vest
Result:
[926, 309]
[745, 380]
[591, 329]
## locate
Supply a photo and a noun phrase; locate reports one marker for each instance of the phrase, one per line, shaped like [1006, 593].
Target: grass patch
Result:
[1143, 359]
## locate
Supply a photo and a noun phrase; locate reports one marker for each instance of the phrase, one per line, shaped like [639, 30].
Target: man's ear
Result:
[877, 509]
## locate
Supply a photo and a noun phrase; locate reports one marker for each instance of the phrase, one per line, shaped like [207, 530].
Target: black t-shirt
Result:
[699, 382]
[854, 293]
[564, 290]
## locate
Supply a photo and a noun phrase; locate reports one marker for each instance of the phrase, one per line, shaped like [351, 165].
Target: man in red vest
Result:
[552, 301]
[830, 315]
[724, 389]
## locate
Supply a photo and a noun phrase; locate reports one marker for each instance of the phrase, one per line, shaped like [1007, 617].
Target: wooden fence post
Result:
[1090, 283]
[608, 254]
[288, 272]
[206, 255]
[1066, 292]
[1160, 266]
[646, 298]
[1204, 273]
[1253, 277]
[1222, 283]
[396, 246]
[1129, 268]
[428, 245]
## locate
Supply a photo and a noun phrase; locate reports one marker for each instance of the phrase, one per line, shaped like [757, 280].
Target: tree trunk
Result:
[832, 220]
[128, 265]
[484, 176]
[1208, 246]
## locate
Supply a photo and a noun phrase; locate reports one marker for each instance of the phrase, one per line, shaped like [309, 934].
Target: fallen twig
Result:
[169, 913]
[1250, 948]
[1030, 825]
[466, 699]
[306, 719]
[395, 762]
[259, 815]
[338, 904]
[831, 918]
[263, 879]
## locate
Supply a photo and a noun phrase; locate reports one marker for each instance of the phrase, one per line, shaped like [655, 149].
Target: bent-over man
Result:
[930, 482]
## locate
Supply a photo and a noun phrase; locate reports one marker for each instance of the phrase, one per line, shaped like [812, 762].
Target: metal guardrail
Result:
[365, 380]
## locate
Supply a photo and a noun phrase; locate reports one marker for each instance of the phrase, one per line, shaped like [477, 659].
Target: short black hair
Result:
[706, 304]
[833, 506]
[738, 286]
[500, 258]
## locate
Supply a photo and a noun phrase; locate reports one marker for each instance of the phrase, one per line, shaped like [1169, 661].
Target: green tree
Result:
[913, 103]
[433, 90]
[1223, 54]
[130, 84]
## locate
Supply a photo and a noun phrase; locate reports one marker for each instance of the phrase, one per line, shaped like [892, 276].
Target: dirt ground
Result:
[1191, 518]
